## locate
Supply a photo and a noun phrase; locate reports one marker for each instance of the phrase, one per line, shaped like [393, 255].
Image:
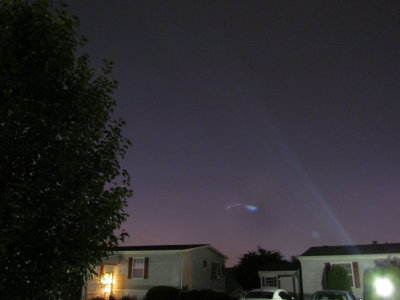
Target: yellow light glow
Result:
[107, 289]
[107, 278]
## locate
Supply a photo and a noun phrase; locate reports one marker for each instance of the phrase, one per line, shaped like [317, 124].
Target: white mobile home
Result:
[358, 260]
[132, 271]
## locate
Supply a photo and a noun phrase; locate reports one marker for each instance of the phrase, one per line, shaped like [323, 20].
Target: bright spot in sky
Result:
[251, 207]
[315, 234]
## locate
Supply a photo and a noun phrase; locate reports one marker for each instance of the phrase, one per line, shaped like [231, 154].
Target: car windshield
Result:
[330, 296]
[260, 294]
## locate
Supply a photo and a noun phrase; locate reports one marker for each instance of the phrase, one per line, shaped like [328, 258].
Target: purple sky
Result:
[289, 106]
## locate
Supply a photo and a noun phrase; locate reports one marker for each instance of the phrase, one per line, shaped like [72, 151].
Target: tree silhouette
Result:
[62, 191]
[250, 263]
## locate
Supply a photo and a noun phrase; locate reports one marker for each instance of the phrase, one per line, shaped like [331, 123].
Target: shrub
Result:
[203, 295]
[162, 293]
[129, 298]
[338, 279]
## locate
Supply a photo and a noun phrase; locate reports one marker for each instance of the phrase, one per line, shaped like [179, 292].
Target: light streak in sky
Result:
[229, 206]
[307, 182]
[269, 133]
[249, 207]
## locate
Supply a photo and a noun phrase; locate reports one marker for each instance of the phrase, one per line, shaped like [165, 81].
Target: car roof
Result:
[332, 292]
[267, 289]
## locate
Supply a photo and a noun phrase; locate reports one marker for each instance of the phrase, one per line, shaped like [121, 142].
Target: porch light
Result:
[107, 280]
[383, 287]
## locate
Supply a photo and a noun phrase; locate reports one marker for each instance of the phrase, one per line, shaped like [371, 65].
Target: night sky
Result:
[255, 123]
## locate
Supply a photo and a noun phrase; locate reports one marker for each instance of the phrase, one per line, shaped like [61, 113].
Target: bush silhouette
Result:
[162, 293]
[203, 295]
[338, 279]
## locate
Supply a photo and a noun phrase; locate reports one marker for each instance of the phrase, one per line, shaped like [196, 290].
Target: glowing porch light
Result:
[107, 280]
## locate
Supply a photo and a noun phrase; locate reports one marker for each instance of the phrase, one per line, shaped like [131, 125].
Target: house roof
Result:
[169, 248]
[159, 247]
[374, 248]
[283, 266]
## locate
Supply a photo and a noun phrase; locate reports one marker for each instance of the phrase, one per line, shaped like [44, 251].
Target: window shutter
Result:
[146, 268]
[325, 275]
[356, 274]
[130, 268]
[101, 271]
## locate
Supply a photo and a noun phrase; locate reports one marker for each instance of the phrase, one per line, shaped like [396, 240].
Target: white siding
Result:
[201, 275]
[164, 268]
[313, 268]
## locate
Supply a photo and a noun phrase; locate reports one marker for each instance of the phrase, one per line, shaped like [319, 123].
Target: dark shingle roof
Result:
[283, 266]
[355, 249]
[159, 247]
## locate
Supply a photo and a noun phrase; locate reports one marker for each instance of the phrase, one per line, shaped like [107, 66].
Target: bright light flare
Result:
[384, 287]
[107, 289]
[106, 278]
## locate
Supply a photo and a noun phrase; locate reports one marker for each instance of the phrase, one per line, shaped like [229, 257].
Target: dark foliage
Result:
[246, 272]
[388, 269]
[129, 298]
[203, 295]
[338, 279]
[162, 293]
[62, 191]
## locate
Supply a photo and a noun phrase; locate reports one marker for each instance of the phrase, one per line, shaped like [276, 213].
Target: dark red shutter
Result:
[325, 275]
[356, 275]
[101, 270]
[130, 268]
[146, 268]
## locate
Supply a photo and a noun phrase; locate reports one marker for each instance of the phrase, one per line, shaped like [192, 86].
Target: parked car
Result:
[333, 295]
[270, 293]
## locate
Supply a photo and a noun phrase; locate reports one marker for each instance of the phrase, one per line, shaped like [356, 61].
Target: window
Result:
[138, 267]
[348, 268]
[216, 270]
[270, 281]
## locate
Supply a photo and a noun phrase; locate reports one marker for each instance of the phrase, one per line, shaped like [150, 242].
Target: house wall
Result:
[198, 270]
[163, 269]
[313, 269]
[179, 269]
